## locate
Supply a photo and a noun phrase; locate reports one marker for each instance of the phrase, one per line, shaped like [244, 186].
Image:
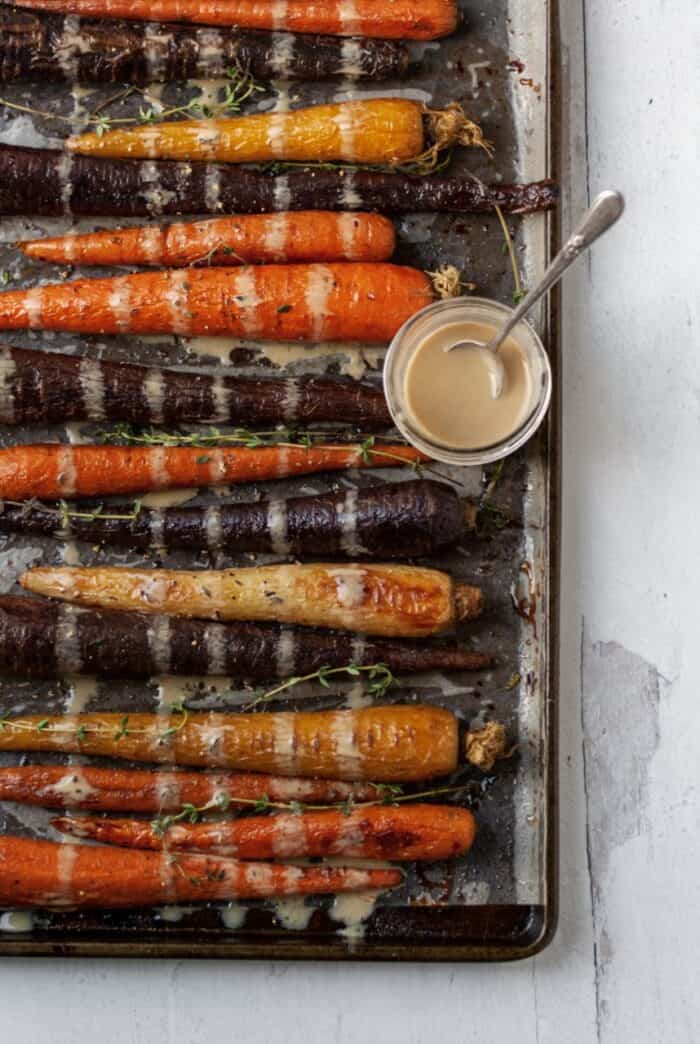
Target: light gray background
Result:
[624, 964]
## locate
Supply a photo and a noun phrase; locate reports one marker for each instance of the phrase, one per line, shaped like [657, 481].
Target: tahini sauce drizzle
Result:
[448, 394]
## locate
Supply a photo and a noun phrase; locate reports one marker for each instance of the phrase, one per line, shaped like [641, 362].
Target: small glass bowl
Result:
[470, 310]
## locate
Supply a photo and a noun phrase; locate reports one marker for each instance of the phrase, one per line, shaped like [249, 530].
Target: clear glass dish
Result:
[456, 310]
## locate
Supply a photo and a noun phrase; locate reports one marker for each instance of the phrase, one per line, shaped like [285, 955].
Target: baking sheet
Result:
[498, 901]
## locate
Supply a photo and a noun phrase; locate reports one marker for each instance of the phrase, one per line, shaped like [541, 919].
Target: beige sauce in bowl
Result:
[448, 396]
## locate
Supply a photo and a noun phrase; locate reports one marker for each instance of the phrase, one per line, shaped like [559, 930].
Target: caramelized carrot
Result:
[142, 790]
[400, 601]
[424, 832]
[302, 236]
[393, 744]
[51, 470]
[316, 302]
[46, 874]
[388, 131]
[397, 19]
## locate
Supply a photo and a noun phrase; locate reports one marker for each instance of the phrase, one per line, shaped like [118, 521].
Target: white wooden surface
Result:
[623, 966]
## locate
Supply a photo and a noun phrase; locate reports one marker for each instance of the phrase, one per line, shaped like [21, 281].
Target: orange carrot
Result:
[424, 832]
[49, 470]
[302, 236]
[142, 790]
[389, 131]
[391, 744]
[397, 19]
[334, 302]
[46, 874]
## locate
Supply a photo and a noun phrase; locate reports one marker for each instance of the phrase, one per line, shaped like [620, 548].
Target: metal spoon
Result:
[603, 213]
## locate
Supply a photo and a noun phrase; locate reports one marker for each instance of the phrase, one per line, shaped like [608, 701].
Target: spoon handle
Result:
[602, 214]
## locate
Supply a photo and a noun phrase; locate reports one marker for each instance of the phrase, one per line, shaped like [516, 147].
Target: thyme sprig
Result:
[387, 794]
[240, 87]
[65, 512]
[82, 732]
[379, 679]
[519, 292]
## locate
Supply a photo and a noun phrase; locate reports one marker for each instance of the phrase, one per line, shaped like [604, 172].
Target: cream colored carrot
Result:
[296, 237]
[391, 600]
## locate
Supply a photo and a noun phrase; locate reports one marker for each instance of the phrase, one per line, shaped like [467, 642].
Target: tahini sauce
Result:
[448, 394]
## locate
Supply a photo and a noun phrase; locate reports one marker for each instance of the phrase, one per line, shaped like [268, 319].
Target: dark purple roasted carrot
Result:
[42, 639]
[46, 874]
[405, 833]
[43, 182]
[41, 387]
[397, 520]
[143, 790]
[39, 47]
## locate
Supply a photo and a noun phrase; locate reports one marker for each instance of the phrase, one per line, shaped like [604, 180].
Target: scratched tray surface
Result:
[497, 68]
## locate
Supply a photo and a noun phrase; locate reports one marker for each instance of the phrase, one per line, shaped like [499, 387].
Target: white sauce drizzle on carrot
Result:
[215, 642]
[33, 306]
[159, 643]
[282, 193]
[64, 169]
[92, 387]
[351, 59]
[283, 743]
[119, 301]
[155, 48]
[213, 528]
[292, 398]
[212, 189]
[211, 48]
[293, 912]
[347, 521]
[348, 760]
[276, 234]
[156, 528]
[289, 836]
[247, 301]
[350, 23]
[220, 395]
[350, 196]
[72, 788]
[346, 124]
[154, 390]
[177, 297]
[282, 54]
[233, 916]
[66, 475]
[72, 44]
[319, 285]
[350, 586]
[352, 911]
[151, 187]
[259, 875]
[65, 863]
[152, 244]
[69, 659]
[277, 527]
[8, 370]
[347, 223]
[159, 471]
[216, 461]
[208, 138]
[150, 138]
[277, 133]
[278, 14]
[286, 653]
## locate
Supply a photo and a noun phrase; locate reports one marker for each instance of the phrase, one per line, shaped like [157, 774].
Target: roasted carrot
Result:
[59, 470]
[354, 301]
[423, 832]
[143, 790]
[385, 744]
[46, 874]
[40, 48]
[402, 19]
[389, 131]
[301, 236]
[400, 601]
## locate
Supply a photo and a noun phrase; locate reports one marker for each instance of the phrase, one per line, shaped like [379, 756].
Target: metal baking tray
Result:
[500, 901]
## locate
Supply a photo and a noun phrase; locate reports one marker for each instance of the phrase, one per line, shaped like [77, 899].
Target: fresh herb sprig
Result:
[82, 732]
[379, 679]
